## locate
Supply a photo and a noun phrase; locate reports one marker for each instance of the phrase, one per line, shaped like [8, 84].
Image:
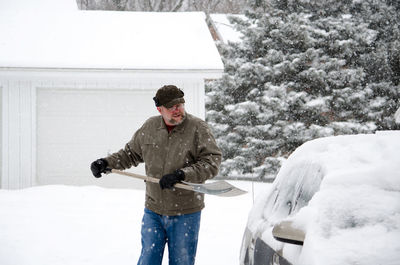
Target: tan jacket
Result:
[190, 146]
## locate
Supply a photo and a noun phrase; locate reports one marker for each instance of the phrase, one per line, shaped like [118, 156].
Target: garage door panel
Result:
[77, 126]
[64, 130]
[95, 103]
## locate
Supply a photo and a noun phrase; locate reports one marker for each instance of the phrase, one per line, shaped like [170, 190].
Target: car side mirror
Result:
[287, 233]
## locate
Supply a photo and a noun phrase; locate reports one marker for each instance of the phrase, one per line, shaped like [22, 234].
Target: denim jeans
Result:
[179, 232]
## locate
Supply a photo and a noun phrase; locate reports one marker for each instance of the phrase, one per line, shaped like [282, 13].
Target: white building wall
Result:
[18, 111]
[1, 134]
[18, 131]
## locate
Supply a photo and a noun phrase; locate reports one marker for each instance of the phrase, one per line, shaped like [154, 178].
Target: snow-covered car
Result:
[335, 201]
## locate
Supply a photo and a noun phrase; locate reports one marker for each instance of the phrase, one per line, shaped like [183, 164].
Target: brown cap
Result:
[168, 96]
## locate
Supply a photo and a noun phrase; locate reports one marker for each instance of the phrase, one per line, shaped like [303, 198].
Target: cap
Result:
[168, 96]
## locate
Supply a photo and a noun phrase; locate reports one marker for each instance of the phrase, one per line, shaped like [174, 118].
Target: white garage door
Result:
[75, 127]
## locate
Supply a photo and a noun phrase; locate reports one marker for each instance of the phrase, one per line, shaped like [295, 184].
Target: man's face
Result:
[174, 115]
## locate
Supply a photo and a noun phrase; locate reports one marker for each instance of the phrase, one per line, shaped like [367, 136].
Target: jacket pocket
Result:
[149, 149]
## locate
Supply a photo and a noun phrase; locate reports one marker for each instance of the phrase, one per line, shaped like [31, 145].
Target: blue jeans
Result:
[179, 232]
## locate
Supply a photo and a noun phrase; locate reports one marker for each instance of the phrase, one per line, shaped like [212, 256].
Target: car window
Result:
[293, 190]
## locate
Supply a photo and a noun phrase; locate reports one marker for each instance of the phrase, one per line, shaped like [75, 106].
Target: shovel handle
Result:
[150, 179]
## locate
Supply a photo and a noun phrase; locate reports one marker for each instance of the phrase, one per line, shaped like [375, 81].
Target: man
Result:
[174, 146]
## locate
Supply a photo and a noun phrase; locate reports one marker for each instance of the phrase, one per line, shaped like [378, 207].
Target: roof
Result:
[55, 34]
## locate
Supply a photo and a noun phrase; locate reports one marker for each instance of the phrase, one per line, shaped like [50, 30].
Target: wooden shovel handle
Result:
[150, 179]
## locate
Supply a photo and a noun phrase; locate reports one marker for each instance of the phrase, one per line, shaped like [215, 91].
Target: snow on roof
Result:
[39, 5]
[226, 30]
[55, 34]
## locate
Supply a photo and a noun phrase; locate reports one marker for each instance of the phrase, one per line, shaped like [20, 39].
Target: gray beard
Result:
[174, 122]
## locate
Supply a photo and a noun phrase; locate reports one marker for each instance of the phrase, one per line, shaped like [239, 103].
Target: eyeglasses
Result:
[175, 107]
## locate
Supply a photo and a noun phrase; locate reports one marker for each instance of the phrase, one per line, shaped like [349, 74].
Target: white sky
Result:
[225, 28]
[45, 33]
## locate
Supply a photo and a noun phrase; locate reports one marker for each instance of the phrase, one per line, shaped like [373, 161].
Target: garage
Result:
[80, 94]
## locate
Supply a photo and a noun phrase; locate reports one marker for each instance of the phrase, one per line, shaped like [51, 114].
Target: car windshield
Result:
[293, 191]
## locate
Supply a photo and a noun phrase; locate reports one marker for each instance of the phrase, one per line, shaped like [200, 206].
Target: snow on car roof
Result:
[355, 216]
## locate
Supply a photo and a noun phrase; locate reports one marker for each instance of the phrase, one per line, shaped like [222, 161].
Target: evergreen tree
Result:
[304, 69]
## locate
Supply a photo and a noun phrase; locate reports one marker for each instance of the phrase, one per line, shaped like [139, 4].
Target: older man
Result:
[174, 146]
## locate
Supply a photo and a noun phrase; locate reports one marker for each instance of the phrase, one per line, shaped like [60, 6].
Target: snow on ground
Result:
[68, 225]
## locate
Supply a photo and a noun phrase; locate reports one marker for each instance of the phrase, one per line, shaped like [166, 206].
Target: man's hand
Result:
[168, 181]
[99, 166]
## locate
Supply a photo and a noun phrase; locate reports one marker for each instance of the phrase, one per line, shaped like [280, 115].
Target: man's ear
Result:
[159, 109]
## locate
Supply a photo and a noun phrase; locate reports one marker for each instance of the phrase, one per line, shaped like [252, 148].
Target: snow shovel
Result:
[219, 188]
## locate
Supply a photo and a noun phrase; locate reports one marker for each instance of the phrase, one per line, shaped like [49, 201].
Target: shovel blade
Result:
[219, 188]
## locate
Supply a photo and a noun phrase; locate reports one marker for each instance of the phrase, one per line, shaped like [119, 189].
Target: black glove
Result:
[168, 181]
[99, 166]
